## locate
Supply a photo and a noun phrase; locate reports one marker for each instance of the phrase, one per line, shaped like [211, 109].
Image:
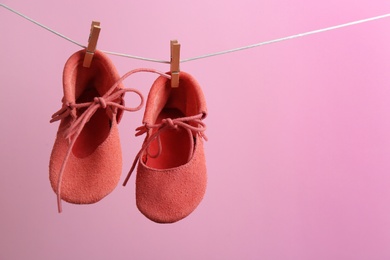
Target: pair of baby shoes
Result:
[86, 160]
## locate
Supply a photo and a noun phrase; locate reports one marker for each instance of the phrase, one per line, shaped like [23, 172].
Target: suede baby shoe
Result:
[86, 160]
[171, 173]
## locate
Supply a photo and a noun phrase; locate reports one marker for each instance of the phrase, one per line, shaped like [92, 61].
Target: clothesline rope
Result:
[210, 54]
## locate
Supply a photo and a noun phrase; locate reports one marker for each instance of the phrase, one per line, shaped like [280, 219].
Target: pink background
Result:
[299, 131]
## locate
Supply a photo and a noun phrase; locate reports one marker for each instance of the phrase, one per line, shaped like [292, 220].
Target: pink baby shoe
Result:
[86, 160]
[171, 174]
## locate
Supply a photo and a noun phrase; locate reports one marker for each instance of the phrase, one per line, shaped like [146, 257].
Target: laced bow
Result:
[109, 99]
[187, 123]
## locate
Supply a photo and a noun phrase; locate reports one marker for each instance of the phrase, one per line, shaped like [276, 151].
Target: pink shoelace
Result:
[77, 125]
[168, 123]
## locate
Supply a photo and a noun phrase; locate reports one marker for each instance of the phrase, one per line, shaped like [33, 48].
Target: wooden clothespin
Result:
[175, 63]
[92, 42]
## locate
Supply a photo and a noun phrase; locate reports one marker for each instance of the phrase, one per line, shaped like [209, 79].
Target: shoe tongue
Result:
[157, 98]
[188, 98]
[99, 77]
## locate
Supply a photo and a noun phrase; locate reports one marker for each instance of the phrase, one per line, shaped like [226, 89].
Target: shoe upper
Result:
[171, 174]
[86, 159]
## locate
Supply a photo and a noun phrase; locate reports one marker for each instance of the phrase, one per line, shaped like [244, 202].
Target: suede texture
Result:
[171, 186]
[188, 98]
[94, 166]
